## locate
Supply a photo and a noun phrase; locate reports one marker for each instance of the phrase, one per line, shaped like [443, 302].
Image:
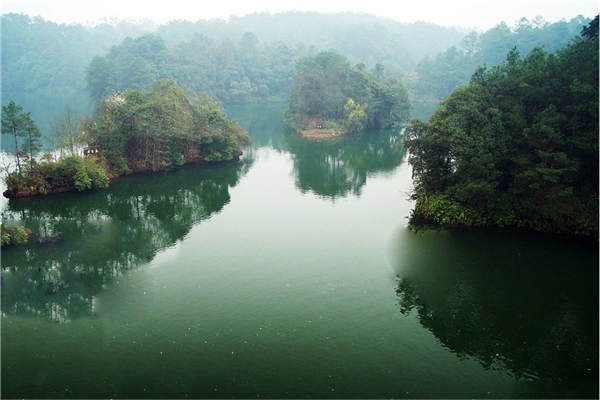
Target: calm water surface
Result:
[289, 274]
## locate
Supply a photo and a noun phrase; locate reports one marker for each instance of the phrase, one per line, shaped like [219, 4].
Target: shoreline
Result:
[65, 189]
[320, 134]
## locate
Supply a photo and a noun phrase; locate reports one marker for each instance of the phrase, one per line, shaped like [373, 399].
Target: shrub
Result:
[82, 181]
[15, 235]
[71, 172]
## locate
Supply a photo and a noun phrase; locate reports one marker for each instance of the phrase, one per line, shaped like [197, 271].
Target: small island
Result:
[331, 98]
[130, 132]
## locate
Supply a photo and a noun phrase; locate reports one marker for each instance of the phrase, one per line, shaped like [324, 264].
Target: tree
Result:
[68, 132]
[454, 66]
[518, 145]
[378, 70]
[13, 122]
[162, 129]
[354, 116]
[327, 87]
[590, 32]
[32, 143]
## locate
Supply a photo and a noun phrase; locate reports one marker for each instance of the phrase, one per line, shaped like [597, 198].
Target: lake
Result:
[290, 273]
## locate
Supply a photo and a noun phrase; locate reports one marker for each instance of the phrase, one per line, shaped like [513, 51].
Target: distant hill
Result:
[435, 77]
[44, 63]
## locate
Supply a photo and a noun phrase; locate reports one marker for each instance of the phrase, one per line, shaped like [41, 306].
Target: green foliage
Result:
[435, 78]
[326, 88]
[32, 143]
[47, 66]
[590, 32]
[248, 61]
[135, 131]
[14, 122]
[44, 63]
[82, 181]
[161, 129]
[19, 124]
[15, 235]
[68, 173]
[5, 239]
[354, 116]
[518, 146]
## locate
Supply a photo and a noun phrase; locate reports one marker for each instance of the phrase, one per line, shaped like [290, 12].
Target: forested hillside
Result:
[43, 63]
[361, 37]
[252, 58]
[232, 72]
[518, 146]
[434, 78]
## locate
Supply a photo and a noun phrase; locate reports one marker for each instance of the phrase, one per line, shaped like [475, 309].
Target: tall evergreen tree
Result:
[14, 123]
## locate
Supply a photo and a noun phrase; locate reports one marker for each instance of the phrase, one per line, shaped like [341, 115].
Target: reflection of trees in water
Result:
[106, 234]
[331, 169]
[264, 123]
[340, 167]
[534, 319]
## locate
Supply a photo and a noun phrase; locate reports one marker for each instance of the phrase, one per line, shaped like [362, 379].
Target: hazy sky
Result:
[482, 14]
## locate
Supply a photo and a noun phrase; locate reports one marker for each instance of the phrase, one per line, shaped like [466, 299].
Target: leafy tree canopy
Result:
[327, 87]
[517, 146]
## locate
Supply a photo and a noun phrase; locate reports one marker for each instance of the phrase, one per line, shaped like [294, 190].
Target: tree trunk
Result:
[17, 149]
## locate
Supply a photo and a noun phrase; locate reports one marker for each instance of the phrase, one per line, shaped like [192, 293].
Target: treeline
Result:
[241, 72]
[331, 94]
[434, 78]
[252, 58]
[361, 37]
[132, 131]
[518, 146]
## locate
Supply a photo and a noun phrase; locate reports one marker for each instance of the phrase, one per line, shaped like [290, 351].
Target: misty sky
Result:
[482, 14]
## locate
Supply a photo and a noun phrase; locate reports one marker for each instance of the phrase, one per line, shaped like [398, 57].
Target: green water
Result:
[289, 274]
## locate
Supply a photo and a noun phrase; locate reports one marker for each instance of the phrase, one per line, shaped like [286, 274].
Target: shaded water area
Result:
[289, 274]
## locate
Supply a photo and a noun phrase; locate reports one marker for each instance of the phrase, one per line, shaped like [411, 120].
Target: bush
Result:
[15, 235]
[5, 239]
[68, 173]
[82, 181]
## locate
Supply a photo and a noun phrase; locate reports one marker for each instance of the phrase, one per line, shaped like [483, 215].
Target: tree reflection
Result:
[517, 302]
[340, 167]
[264, 123]
[332, 168]
[106, 234]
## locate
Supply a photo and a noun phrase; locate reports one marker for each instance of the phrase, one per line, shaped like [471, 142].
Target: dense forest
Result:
[43, 63]
[518, 146]
[252, 58]
[243, 59]
[435, 77]
[131, 131]
[331, 95]
[231, 72]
